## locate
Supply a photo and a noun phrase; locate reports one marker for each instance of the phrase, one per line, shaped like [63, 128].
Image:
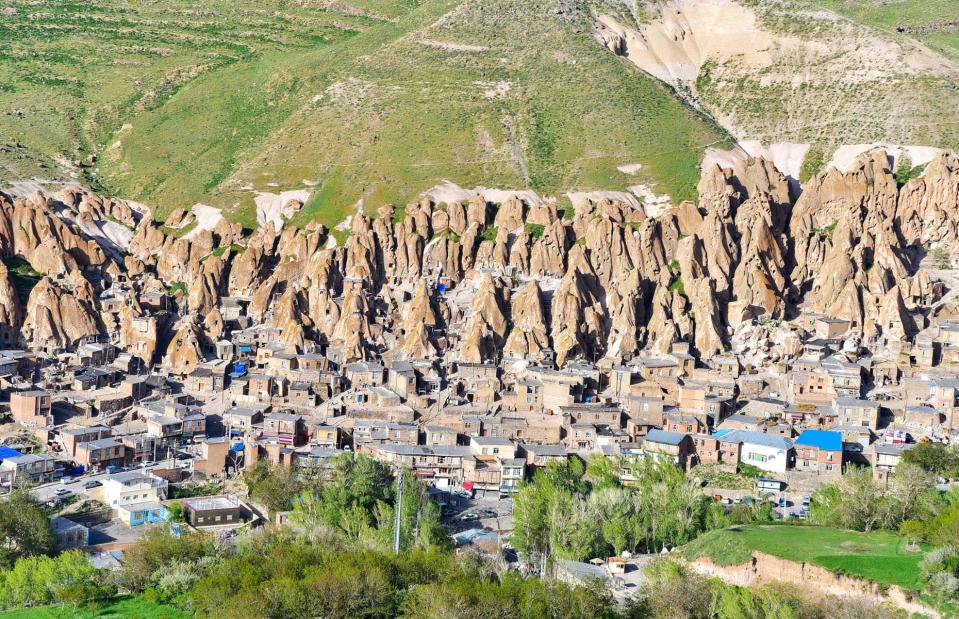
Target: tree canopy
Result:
[25, 528]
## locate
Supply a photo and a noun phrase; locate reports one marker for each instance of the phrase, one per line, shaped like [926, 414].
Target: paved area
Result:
[61, 489]
[491, 513]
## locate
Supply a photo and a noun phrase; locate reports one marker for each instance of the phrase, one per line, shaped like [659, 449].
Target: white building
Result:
[133, 487]
[136, 496]
[769, 452]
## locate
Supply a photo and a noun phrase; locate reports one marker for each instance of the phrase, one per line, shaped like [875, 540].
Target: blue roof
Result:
[7, 452]
[823, 439]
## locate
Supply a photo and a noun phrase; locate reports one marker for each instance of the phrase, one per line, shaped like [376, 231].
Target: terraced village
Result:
[457, 309]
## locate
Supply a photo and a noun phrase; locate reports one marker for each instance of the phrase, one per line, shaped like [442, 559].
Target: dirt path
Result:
[517, 151]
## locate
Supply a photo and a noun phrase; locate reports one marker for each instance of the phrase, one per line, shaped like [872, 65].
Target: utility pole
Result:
[399, 511]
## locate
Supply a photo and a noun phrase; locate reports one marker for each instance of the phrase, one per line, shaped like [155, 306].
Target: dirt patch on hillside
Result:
[453, 47]
[769, 72]
[763, 569]
[674, 47]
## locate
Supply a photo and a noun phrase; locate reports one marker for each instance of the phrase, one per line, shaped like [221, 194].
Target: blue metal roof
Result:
[8, 452]
[822, 439]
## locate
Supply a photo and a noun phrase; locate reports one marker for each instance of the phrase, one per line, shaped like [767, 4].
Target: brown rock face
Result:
[486, 327]
[528, 336]
[420, 317]
[60, 314]
[518, 277]
[928, 208]
[184, 351]
[11, 312]
[204, 293]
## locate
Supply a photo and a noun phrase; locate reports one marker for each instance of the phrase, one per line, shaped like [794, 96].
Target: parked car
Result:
[113, 469]
[489, 513]
[469, 517]
[92, 484]
[463, 494]
[63, 492]
[66, 479]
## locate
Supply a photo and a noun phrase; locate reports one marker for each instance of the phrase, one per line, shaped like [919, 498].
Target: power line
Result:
[399, 510]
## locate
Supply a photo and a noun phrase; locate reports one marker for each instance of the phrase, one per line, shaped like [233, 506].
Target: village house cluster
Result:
[476, 427]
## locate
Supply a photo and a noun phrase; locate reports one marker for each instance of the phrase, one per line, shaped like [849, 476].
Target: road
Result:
[49, 491]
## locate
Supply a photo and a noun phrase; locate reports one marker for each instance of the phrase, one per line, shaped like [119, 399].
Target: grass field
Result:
[121, 608]
[878, 556]
[924, 20]
[183, 102]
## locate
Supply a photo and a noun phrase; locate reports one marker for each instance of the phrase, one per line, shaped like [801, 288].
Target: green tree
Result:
[671, 507]
[856, 501]
[66, 579]
[935, 458]
[357, 485]
[157, 549]
[273, 486]
[531, 536]
[25, 528]
[419, 520]
[177, 513]
[673, 592]
[603, 472]
[716, 517]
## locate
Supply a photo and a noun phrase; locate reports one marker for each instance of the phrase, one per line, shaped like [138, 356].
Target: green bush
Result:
[535, 230]
[66, 579]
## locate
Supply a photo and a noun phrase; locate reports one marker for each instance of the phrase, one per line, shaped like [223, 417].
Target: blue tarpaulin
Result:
[246, 349]
[471, 535]
[237, 447]
[8, 452]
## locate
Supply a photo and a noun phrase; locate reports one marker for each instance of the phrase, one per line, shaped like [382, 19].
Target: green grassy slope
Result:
[130, 607]
[205, 101]
[927, 21]
[878, 556]
[72, 73]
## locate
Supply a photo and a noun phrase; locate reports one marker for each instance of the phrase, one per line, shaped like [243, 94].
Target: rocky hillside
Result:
[788, 71]
[473, 280]
[237, 103]
[220, 101]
